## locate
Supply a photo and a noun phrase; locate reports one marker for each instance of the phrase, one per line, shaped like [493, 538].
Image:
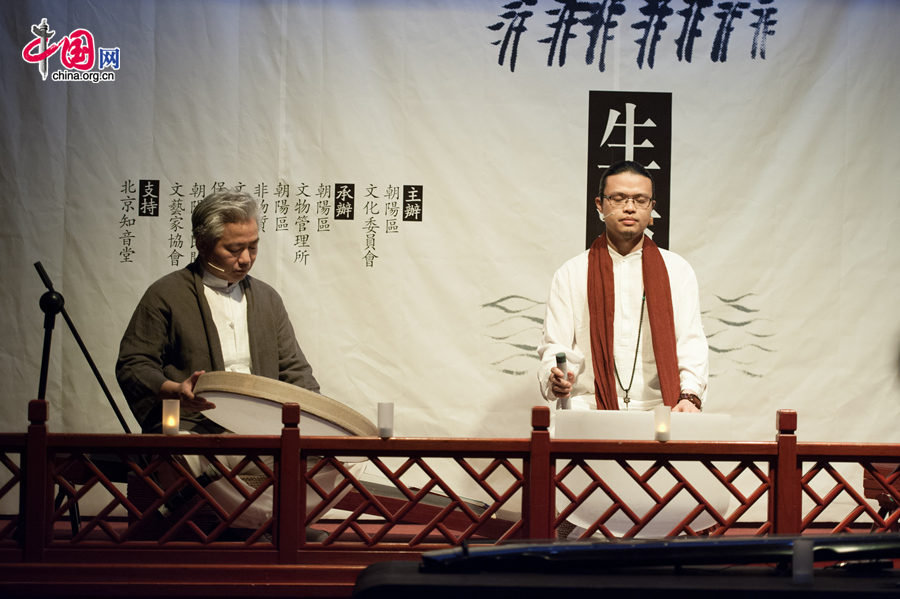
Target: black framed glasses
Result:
[618, 200]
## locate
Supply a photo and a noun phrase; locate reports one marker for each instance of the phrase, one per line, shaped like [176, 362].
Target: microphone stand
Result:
[53, 303]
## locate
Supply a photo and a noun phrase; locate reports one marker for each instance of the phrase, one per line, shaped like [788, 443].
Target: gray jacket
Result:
[172, 334]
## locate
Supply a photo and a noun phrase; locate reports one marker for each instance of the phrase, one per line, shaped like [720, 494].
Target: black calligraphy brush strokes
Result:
[579, 28]
[514, 326]
[739, 336]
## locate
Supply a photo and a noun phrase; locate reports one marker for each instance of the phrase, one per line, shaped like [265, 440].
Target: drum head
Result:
[247, 404]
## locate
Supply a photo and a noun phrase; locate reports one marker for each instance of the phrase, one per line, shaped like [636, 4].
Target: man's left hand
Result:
[685, 405]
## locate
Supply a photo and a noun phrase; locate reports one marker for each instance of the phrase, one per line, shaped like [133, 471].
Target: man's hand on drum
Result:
[184, 391]
[561, 382]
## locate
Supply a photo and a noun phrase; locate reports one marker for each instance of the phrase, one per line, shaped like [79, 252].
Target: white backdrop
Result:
[783, 180]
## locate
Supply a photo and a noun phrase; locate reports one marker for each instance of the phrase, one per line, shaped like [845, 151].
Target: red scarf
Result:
[602, 308]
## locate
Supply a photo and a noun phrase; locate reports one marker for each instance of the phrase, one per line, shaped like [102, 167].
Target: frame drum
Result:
[248, 404]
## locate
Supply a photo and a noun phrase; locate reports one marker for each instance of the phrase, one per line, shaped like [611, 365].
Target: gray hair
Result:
[210, 216]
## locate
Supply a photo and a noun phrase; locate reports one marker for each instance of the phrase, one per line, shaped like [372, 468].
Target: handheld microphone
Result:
[214, 267]
[561, 364]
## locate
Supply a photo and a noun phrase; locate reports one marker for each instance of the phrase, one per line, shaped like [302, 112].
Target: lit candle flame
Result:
[170, 416]
[661, 423]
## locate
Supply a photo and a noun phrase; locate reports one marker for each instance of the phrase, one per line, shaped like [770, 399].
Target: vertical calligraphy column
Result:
[412, 203]
[301, 239]
[198, 192]
[323, 208]
[176, 224]
[392, 210]
[371, 208]
[127, 203]
[282, 199]
[148, 199]
[261, 190]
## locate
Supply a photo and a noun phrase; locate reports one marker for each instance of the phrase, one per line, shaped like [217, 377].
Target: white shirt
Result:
[567, 329]
[228, 305]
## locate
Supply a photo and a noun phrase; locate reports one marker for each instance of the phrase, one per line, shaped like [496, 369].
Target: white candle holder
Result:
[385, 419]
[662, 423]
[171, 416]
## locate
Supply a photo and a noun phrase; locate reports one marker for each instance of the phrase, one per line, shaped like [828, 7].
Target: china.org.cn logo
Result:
[77, 54]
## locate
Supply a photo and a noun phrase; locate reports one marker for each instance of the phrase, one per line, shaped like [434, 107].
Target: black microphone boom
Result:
[52, 303]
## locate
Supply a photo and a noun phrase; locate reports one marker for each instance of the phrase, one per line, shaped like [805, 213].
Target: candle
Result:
[171, 416]
[661, 421]
[385, 419]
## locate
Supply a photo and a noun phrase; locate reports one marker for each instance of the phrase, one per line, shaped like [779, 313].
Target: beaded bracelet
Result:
[691, 398]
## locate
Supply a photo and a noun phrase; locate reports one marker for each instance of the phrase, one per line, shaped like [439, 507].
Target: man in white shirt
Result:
[625, 313]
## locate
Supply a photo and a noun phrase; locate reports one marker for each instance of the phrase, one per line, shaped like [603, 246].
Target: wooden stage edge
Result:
[185, 580]
[330, 574]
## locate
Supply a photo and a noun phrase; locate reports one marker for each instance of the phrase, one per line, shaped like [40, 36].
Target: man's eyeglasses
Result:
[619, 200]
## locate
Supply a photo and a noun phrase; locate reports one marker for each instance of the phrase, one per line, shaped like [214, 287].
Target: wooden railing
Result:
[149, 512]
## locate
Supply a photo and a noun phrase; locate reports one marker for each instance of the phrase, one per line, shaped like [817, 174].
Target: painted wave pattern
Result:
[514, 327]
[740, 338]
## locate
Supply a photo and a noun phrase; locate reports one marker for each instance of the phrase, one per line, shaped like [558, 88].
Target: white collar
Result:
[217, 283]
[615, 255]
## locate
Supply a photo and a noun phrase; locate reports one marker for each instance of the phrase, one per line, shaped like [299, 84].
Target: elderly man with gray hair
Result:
[210, 315]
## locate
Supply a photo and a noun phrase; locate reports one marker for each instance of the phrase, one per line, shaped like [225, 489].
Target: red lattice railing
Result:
[11, 449]
[163, 499]
[440, 513]
[657, 501]
[833, 473]
[125, 497]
